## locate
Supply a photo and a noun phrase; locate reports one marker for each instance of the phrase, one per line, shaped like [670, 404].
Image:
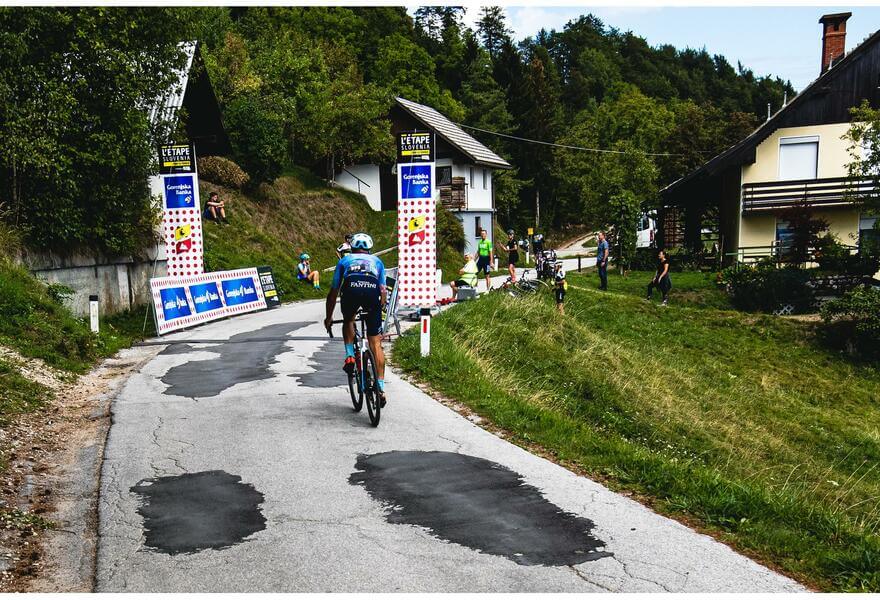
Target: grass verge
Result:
[742, 424]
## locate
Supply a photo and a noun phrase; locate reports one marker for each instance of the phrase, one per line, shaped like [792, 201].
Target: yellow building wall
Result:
[757, 230]
[760, 229]
[833, 152]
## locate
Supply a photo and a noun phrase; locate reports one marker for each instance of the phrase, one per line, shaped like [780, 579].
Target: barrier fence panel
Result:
[180, 302]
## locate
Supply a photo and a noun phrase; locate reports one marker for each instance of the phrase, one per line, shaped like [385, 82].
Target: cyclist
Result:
[512, 255]
[345, 247]
[362, 278]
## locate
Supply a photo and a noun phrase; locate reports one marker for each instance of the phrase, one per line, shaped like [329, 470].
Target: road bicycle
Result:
[522, 286]
[362, 381]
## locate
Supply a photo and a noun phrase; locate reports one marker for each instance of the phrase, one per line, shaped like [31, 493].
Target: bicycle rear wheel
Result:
[370, 391]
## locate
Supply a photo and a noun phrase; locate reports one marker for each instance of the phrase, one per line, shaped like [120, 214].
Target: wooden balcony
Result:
[818, 193]
[454, 196]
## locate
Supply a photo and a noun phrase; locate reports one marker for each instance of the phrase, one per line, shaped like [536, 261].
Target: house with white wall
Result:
[798, 155]
[464, 170]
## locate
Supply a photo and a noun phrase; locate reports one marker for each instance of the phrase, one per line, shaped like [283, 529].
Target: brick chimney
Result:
[833, 38]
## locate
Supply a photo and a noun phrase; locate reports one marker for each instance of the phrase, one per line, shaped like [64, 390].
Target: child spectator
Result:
[214, 207]
[561, 287]
[661, 278]
[305, 273]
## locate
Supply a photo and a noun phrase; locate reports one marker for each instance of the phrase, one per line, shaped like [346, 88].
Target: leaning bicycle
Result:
[523, 285]
[362, 380]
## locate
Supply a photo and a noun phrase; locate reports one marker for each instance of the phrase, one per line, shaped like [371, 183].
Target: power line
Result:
[601, 150]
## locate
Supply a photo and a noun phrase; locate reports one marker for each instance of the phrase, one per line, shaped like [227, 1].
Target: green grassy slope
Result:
[297, 213]
[741, 423]
[36, 325]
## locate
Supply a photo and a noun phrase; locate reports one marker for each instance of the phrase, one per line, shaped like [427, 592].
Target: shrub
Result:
[766, 288]
[853, 322]
[222, 171]
[831, 255]
[680, 259]
[450, 231]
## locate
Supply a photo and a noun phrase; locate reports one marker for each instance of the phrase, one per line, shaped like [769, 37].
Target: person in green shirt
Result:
[467, 275]
[485, 257]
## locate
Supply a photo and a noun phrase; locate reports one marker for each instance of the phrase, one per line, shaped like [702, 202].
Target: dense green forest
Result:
[313, 85]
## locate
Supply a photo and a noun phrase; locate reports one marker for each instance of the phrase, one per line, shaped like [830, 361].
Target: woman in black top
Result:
[661, 278]
[512, 254]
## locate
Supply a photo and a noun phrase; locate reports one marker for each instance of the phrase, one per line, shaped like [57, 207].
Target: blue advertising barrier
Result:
[180, 302]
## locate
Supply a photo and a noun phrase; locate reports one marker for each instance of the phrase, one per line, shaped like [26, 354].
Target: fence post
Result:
[579, 263]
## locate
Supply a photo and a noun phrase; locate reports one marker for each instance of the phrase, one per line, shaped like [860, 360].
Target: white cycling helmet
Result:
[361, 241]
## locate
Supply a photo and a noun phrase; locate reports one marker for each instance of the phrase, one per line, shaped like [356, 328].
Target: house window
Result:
[485, 179]
[444, 176]
[477, 227]
[867, 232]
[784, 234]
[798, 157]
[471, 176]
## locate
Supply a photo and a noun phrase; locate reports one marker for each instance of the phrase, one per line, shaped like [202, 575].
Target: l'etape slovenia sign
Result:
[416, 221]
[180, 302]
[181, 213]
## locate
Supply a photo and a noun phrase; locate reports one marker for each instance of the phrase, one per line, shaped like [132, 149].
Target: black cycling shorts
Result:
[512, 258]
[483, 264]
[363, 294]
[560, 295]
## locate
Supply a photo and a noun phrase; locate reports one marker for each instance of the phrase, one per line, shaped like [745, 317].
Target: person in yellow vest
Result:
[467, 275]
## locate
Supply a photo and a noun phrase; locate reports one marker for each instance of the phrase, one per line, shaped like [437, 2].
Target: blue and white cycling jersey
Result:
[359, 270]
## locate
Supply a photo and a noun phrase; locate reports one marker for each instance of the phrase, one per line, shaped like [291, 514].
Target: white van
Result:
[646, 231]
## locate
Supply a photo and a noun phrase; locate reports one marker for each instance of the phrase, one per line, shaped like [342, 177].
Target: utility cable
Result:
[566, 146]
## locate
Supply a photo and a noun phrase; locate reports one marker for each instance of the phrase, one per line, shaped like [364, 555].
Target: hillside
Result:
[739, 423]
[298, 213]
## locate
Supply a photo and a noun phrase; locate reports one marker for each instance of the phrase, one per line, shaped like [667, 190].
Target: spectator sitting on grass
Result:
[661, 278]
[304, 271]
[214, 207]
[467, 275]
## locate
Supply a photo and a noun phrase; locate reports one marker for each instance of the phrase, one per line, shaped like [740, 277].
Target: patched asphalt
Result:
[238, 465]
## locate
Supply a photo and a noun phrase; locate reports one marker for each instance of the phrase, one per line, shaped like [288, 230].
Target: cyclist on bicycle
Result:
[362, 278]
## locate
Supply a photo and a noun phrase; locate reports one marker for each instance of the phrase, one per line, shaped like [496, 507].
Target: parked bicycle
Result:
[522, 286]
[362, 381]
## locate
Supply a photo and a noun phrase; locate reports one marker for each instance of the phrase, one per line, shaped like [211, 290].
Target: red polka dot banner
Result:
[416, 234]
[182, 225]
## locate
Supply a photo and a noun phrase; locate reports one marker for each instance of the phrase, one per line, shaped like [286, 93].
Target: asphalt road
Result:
[236, 464]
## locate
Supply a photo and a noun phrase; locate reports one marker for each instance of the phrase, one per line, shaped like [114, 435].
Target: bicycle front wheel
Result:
[371, 390]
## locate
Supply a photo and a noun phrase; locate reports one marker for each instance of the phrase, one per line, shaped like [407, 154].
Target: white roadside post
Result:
[93, 313]
[425, 337]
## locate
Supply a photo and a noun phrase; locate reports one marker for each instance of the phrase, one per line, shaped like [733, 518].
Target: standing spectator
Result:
[485, 257]
[602, 260]
[561, 286]
[538, 244]
[305, 273]
[215, 206]
[661, 278]
[512, 255]
[467, 275]
[345, 247]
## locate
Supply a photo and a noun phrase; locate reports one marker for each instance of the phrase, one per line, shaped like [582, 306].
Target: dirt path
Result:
[49, 491]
